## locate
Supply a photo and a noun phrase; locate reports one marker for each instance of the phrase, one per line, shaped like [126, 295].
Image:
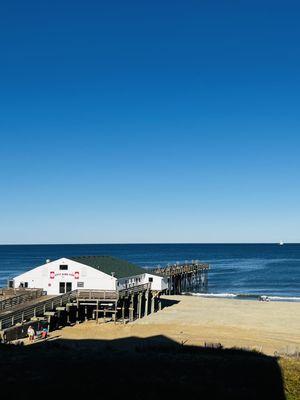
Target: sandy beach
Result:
[266, 326]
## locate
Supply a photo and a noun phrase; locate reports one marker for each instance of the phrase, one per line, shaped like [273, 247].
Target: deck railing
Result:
[110, 294]
[97, 294]
[36, 310]
[177, 269]
[20, 298]
[134, 289]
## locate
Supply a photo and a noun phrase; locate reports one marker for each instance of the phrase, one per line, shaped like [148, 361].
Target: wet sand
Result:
[265, 326]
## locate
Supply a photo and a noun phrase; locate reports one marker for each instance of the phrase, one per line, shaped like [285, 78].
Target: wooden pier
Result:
[24, 308]
[185, 277]
[79, 305]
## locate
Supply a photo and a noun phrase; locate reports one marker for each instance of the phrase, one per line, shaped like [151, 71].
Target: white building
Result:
[87, 272]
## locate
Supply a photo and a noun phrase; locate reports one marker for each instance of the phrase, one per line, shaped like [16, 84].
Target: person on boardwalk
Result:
[30, 333]
[44, 333]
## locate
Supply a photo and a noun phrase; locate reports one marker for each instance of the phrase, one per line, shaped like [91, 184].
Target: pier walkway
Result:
[184, 277]
[80, 305]
[10, 298]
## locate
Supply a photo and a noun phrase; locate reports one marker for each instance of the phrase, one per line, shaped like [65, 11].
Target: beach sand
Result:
[266, 326]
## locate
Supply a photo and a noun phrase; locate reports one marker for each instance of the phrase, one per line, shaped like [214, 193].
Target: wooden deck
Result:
[45, 306]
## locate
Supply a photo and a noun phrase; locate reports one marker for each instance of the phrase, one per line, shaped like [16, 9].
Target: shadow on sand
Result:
[137, 368]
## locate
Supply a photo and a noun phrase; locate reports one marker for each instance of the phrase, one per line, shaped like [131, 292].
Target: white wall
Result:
[158, 283]
[49, 275]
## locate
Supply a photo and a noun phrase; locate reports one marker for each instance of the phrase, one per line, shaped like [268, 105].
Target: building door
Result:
[69, 286]
[62, 287]
[65, 287]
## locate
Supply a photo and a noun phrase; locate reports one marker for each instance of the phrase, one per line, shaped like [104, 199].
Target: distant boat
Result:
[281, 243]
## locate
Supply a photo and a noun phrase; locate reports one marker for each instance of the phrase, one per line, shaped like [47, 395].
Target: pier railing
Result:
[111, 294]
[177, 269]
[17, 299]
[35, 310]
[134, 289]
[97, 294]
[184, 277]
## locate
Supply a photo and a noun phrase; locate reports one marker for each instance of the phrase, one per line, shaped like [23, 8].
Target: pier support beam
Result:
[152, 304]
[123, 311]
[140, 297]
[131, 308]
[146, 303]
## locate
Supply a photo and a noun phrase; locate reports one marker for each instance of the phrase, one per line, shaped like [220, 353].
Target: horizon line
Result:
[137, 243]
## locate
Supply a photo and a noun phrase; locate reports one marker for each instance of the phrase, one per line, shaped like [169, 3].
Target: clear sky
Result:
[157, 121]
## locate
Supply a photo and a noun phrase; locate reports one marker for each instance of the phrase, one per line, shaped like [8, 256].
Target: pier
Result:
[21, 308]
[185, 277]
[79, 305]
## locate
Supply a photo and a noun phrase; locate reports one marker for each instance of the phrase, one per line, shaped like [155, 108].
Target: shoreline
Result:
[244, 296]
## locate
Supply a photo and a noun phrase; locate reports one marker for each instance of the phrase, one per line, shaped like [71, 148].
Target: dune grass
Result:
[291, 377]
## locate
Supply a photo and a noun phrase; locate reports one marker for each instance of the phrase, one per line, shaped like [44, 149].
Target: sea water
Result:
[236, 270]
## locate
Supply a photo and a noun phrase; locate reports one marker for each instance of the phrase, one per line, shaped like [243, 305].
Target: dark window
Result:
[80, 284]
[150, 279]
[62, 287]
[25, 284]
[63, 267]
[68, 286]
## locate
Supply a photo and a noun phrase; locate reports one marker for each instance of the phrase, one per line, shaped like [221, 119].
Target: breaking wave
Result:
[245, 296]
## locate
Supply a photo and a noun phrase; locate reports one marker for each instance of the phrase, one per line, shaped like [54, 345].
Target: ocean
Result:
[236, 270]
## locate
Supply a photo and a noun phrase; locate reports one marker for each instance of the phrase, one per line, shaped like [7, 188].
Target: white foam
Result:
[223, 295]
[281, 298]
[244, 296]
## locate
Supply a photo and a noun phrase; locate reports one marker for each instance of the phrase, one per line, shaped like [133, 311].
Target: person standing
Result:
[30, 333]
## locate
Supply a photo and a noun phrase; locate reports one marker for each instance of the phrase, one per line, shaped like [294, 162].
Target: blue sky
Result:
[149, 121]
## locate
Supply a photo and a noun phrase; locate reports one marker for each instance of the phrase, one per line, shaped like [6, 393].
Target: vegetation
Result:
[291, 377]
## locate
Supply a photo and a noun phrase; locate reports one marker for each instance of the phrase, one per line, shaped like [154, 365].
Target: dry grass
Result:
[291, 377]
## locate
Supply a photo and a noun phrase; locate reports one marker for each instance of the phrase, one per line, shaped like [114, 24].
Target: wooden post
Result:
[131, 309]
[140, 305]
[77, 313]
[115, 314]
[123, 311]
[159, 304]
[85, 313]
[152, 304]
[147, 303]
[68, 315]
